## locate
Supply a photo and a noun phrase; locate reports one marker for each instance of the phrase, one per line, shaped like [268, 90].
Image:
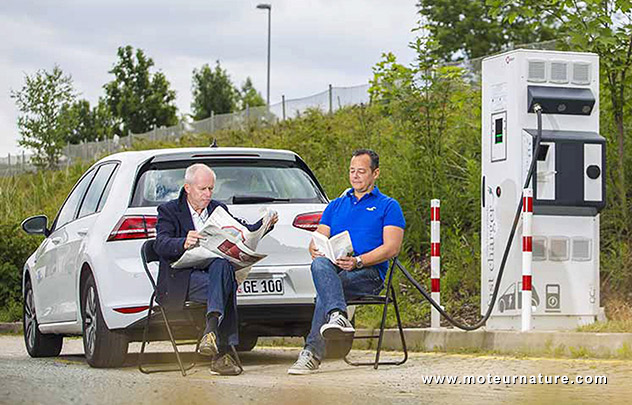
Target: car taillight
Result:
[134, 227]
[308, 221]
[132, 310]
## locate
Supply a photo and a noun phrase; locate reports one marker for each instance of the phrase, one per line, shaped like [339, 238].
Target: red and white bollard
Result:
[435, 261]
[527, 255]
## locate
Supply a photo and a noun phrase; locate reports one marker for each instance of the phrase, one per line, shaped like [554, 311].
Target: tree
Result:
[212, 91]
[467, 29]
[249, 96]
[88, 124]
[605, 28]
[139, 100]
[41, 101]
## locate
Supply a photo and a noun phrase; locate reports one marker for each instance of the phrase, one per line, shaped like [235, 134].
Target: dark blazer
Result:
[174, 222]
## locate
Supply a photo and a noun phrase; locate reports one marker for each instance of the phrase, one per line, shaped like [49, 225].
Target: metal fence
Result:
[330, 100]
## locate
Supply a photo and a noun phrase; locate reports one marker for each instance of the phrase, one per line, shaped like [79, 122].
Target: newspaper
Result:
[336, 247]
[225, 237]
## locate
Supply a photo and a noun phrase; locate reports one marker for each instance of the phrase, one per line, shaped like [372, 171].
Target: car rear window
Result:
[281, 181]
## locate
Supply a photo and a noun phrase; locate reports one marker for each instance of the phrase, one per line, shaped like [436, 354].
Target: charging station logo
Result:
[512, 298]
[490, 246]
[492, 228]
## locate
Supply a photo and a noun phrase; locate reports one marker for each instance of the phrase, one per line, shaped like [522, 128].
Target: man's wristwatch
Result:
[359, 263]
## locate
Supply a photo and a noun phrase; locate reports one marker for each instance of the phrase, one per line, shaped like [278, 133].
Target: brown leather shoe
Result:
[208, 345]
[225, 365]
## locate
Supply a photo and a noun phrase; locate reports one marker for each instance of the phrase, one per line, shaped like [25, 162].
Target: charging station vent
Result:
[559, 72]
[537, 71]
[539, 249]
[581, 249]
[581, 73]
[559, 249]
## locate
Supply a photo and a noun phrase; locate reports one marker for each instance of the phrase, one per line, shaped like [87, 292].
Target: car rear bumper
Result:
[122, 283]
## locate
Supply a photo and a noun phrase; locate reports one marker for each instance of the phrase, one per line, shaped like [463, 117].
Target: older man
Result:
[376, 225]
[179, 223]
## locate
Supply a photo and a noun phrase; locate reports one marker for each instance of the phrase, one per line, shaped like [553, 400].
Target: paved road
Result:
[68, 379]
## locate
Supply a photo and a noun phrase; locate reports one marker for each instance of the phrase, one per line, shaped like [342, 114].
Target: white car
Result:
[86, 278]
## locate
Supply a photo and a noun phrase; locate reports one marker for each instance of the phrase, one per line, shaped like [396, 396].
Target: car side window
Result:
[69, 210]
[106, 191]
[94, 193]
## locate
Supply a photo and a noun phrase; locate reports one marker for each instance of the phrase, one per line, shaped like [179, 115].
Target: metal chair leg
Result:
[145, 330]
[382, 327]
[174, 344]
[389, 298]
[237, 359]
[401, 331]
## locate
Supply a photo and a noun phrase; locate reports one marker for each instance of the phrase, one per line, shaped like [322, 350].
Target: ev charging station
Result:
[568, 185]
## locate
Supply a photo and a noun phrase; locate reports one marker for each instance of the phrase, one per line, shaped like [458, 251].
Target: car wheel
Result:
[102, 346]
[37, 343]
[246, 343]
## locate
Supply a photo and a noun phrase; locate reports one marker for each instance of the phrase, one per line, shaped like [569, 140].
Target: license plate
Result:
[261, 286]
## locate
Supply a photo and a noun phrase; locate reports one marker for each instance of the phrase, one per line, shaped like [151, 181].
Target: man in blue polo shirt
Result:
[376, 225]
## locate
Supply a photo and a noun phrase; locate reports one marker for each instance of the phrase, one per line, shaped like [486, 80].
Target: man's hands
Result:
[313, 251]
[346, 263]
[273, 220]
[192, 240]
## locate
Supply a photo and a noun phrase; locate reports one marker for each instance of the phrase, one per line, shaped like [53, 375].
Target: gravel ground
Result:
[69, 380]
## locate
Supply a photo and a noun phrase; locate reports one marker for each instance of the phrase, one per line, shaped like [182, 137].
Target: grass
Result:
[614, 326]
[619, 315]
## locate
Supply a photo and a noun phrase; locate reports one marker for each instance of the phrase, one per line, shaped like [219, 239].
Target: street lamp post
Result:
[264, 6]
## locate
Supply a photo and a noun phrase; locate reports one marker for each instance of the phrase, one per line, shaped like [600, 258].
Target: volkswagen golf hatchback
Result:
[86, 278]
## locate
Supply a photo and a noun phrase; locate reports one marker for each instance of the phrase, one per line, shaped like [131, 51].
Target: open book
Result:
[334, 248]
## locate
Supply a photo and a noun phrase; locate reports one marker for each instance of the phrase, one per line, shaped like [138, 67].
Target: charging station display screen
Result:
[498, 130]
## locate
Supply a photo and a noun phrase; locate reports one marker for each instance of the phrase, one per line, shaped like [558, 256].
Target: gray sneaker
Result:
[208, 345]
[338, 327]
[307, 363]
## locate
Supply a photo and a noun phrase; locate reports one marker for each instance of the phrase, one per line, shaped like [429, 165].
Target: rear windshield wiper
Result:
[253, 199]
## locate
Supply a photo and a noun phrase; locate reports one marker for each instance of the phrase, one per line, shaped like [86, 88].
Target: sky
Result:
[313, 44]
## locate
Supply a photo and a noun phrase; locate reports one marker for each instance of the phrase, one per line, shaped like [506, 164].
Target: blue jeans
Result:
[334, 287]
[217, 287]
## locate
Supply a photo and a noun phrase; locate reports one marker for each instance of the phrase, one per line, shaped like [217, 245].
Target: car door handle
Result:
[56, 240]
[82, 232]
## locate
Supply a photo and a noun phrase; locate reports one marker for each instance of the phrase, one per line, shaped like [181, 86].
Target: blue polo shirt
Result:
[365, 220]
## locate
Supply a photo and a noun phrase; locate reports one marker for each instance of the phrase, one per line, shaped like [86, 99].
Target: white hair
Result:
[192, 170]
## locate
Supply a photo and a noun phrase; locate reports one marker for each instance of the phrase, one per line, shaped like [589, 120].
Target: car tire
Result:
[37, 343]
[246, 343]
[103, 347]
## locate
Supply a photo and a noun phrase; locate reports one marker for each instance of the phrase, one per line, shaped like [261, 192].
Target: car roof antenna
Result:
[214, 144]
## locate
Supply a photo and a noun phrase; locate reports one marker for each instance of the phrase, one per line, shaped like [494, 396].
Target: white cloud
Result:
[314, 43]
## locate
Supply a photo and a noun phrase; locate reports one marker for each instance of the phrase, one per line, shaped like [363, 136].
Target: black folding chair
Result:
[385, 300]
[149, 255]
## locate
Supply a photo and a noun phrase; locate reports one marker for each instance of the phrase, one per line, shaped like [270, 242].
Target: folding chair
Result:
[384, 299]
[149, 255]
